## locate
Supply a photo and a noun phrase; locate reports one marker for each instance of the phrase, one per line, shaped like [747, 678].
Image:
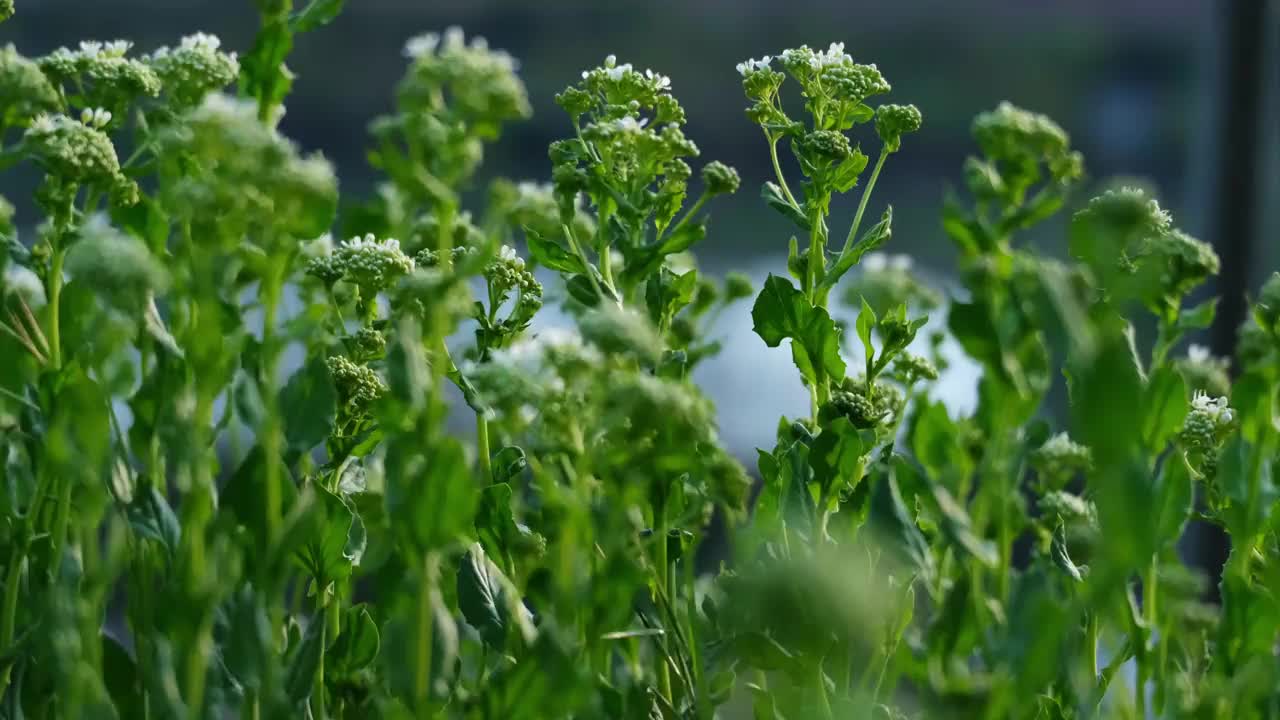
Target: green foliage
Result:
[245, 542]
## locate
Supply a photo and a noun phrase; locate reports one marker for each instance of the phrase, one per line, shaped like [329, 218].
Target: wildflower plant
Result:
[192, 527]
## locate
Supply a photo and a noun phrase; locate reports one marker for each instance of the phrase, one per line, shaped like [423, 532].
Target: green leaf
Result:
[865, 324]
[120, 676]
[242, 494]
[337, 542]
[836, 458]
[308, 404]
[490, 602]
[958, 529]
[317, 13]
[894, 529]
[1165, 407]
[667, 293]
[263, 75]
[1175, 498]
[357, 645]
[684, 237]
[936, 443]
[781, 311]
[304, 661]
[151, 517]
[430, 494]
[773, 196]
[550, 255]
[846, 174]
[508, 463]
[1198, 317]
[874, 237]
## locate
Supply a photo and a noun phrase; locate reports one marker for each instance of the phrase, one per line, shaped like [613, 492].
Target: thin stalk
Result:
[21, 337]
[318, 711]
[482, 447]
[55, 294]
[777, 169]
[662, 568]
[684, 219]
[586, 264]
[862, 204]
[426, 628]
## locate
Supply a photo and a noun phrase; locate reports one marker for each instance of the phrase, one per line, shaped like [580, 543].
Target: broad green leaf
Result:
[496, 527]
[781, 311]
[308, 405]
[895, 530]
[667, 293]
[1175, 498]
[489, 601]
[1199, 316]
[836, 458]
[430, 494]
[337, 542]
[872, 238]
[356, 647]
[865, 324]
[1164, 408]
[120, 676]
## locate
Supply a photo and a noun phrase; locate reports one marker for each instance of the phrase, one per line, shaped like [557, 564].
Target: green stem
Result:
[318, 711]
[662, 567]
[777, 169]
[55, 294]
[586, 264]
[482, 447]
[862, 204]
[273, 495]
[426, 628]
[8, 622]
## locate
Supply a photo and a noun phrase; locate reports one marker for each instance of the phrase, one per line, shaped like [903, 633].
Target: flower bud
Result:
[720, 179]
[894, 121]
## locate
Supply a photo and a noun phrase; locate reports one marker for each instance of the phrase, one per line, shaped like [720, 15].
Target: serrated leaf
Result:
[781, 312]
[550, 255]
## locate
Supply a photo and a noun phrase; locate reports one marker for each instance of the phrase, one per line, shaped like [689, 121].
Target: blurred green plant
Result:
[350, 558]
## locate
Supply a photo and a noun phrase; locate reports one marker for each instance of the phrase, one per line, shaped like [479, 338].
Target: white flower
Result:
[116, 48]
[660, 82]
[24, 283]
[454, 38]
[1198, 353]
[507, 253]
[610, 60]
[422, 45]
[1213, 408]
[479, 42]
[95, 117]
[42, 124]
[201, 41]
[616, 73]
[628, 124]
[901, 263]
[750, 66]
[834, 55]
[90, 49]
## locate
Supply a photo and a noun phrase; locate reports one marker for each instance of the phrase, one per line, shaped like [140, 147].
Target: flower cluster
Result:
[78, 153]
[117, 266]
[887, 281]
[24, 88]
[1207, 424]
[359, 387]
[1019, 148]
[1059, 459]
[1204, 372]
[483, 94]
[894, 121]
[878, 407]
[193, 69]
[910, 369]
[372, 265]
[1129, 212]
[224, 169]
[101, 74]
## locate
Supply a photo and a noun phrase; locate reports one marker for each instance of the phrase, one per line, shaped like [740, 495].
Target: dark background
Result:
[1142, 86]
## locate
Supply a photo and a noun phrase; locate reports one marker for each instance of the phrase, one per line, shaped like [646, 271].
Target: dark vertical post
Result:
[1235, 189]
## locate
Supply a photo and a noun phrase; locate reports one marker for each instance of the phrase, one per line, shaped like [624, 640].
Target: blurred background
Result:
[1180, 94]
